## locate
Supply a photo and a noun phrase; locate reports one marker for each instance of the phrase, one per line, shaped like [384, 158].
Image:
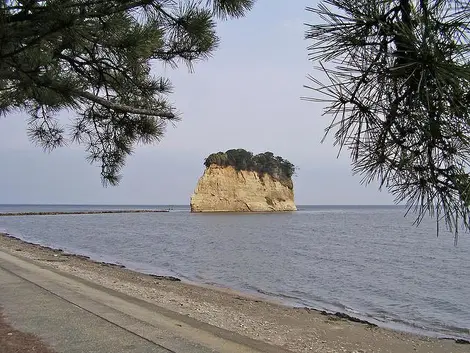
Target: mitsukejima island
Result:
[238, 181]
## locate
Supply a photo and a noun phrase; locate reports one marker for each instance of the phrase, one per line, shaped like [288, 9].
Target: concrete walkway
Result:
[73, 315]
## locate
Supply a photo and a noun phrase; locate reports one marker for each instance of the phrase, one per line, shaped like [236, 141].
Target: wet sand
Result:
[295, 329]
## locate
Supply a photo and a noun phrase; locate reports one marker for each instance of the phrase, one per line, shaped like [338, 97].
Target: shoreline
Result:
[254, 294]
[294, 328]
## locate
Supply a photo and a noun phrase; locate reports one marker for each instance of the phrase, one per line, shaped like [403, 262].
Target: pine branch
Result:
[123, 108]
[94, 57]
[397, 85]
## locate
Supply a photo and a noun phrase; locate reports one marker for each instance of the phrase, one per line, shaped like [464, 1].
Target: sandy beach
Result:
[295, 329]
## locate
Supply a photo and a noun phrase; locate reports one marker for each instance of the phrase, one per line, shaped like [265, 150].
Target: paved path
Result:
[73, 315]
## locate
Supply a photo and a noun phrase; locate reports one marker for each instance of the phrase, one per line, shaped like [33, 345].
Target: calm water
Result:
[370, 262]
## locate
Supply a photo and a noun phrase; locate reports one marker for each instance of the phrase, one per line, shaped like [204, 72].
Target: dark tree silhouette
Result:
[395, 76]
[94, 58]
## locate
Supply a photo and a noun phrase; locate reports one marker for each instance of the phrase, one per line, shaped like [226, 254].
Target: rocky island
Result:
[238, 181]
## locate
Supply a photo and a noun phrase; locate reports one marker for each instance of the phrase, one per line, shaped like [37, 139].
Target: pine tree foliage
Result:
[395, 77]
[93, 58]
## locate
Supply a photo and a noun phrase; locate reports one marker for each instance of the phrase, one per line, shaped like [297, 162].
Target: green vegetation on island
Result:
[262, 163]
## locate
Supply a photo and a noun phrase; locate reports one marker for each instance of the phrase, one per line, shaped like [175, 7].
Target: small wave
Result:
[378, 317]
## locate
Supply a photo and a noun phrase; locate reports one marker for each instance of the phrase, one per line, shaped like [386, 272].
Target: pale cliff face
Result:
[223, 189]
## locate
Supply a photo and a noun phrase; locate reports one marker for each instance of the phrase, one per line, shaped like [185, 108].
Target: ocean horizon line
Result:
[174, 204]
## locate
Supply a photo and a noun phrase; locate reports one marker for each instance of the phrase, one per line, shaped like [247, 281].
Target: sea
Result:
[370, 262]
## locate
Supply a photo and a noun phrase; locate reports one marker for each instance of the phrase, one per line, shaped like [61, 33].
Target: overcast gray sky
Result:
[246, 96]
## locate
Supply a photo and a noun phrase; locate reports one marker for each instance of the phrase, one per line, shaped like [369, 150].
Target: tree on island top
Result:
[93, 58]
[395, 77]
[263, 163]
